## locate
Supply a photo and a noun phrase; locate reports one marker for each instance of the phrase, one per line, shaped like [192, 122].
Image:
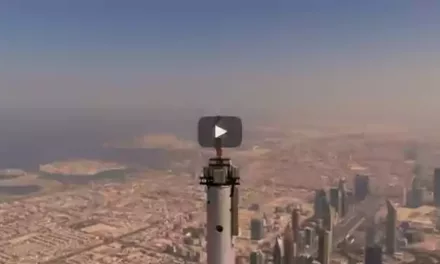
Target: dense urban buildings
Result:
[159, 217]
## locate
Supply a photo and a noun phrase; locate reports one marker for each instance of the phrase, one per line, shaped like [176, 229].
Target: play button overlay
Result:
[226, 128]
[218, 131]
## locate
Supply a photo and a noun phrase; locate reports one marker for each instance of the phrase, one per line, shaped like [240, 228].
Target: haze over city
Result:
[374, 58]
[335, 105]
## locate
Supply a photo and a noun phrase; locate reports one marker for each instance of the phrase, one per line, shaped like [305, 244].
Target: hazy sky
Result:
[263, 54]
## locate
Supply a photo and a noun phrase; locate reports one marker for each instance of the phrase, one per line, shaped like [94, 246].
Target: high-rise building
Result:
[361, 187]
[350, 199]
[437, 187]
[404, 196]
[257, 229]
[417, 170]
[344, 201]
[319, 224]
[289, 246]
[256, 257]
[437, 220]
[327, 215]
[390, 229]
[370, 233]
[411, 152]
[415, 182]
[305, 259]
[416, 194]
[309, 236]
[278, 251]
[300, 241]
[373, 254]
[320, 196]
[325, 246]
[295, 254]
[323, 209]
[335, 199]
[295, 221]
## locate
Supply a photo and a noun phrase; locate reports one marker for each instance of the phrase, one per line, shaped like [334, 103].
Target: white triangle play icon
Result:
[218, 131]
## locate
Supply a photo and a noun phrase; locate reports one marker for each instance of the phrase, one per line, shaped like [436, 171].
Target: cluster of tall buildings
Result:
[373, 249]
[294, 246]
[287, 247]
[415, 196]
[297, 243]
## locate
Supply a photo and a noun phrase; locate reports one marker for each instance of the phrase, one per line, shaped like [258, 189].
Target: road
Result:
[353, 220]
[424, 257]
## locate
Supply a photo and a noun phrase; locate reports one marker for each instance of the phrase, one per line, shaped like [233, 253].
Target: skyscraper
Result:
[289, 246]
[335, 199]
[390, 229]
[309, 236]
[404, 196]
[350, 199]
[344, 201]
[257, 229]
[320, 196]
[417, 170]
[324, 210]
[437, 187]
[361, 187]
[373, 254]
[327, 214]
[295, 220]
[325, 246]
[278, 251]
[300, 241]
[410, 152]
[370, 233]
[416, 194]
[437, 220]
[305, 259]
[256, 257]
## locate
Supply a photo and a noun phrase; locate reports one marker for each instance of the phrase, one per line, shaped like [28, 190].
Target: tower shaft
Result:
[220, 179]
[219, 239]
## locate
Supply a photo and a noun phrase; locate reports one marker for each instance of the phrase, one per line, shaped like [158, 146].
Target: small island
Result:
[82, 171]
